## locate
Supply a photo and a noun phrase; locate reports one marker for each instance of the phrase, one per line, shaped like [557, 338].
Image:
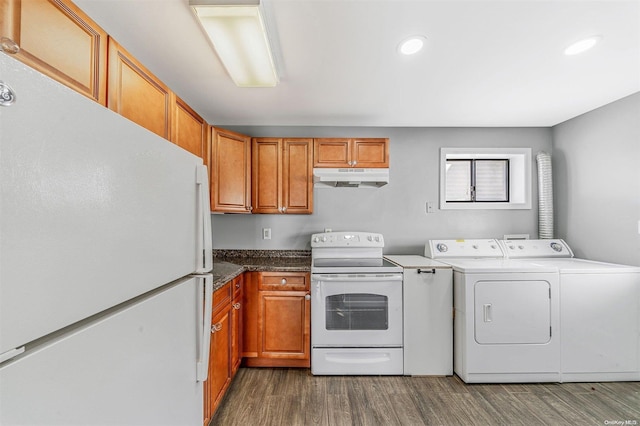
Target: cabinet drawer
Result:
[222, 298]
[284, 281]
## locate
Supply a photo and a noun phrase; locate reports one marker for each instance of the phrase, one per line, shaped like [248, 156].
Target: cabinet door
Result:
[297, 176]
[370, 152]
[230, 165]
[266, 175]
[135, 93]
[236, 323]
[250, 315]
[219, 357]
[284, 324]
[59, 40]
[188, 129]
[331, 152]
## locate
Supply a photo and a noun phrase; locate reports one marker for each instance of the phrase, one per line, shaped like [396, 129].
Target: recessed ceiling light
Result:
[582, 45]
[412, 45]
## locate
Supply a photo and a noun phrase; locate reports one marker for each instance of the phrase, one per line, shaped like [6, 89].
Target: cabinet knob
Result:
[283, 281]
[307, 297]
[236, 306]
[216, 327]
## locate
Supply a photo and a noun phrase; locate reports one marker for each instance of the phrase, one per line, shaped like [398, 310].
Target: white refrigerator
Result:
[105, 254]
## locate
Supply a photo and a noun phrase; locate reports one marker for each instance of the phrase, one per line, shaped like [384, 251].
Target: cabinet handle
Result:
[283, 281]
[216, 327]
[236, 306]
[427, 271]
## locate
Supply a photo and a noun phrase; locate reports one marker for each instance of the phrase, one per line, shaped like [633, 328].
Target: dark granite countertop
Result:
[228, 264]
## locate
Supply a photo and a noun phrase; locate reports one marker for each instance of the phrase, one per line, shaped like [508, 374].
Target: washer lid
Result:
[487, 266]
[583, 266]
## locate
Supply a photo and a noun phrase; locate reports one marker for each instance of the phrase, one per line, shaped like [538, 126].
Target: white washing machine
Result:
[599, 312]
[506, 325]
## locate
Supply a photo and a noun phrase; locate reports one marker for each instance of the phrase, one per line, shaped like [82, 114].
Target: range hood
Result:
[345, 177]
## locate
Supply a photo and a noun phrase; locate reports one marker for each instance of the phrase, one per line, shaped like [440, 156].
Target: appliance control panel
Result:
[442, 249]
[555, 248]
[347, 239]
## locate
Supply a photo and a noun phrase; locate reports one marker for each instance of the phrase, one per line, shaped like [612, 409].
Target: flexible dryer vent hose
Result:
[545, 196]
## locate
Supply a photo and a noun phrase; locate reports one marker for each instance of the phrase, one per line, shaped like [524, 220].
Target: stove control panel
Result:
[347, 239]
[518, 249]
[442, 249]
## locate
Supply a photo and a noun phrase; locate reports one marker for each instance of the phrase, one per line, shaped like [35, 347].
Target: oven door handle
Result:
[356, 277]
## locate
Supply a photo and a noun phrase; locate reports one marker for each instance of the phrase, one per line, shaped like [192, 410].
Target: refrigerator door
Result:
[94, 209]
[132, 366]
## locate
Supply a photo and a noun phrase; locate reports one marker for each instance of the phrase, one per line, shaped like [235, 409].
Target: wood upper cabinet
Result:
[137, 94]
[277, 320]
[59, 40]
[230, 170]
[188, 129]
[282, 175]
[356, 152]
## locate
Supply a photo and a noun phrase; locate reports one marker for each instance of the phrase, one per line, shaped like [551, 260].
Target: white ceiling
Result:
[486, 63]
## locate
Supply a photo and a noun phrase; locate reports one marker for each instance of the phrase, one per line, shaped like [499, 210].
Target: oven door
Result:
[363, 310]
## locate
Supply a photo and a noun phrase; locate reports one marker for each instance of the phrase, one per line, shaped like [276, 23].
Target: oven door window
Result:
[357, 311]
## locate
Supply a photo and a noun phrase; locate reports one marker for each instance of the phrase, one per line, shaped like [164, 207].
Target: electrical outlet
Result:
[266, 233]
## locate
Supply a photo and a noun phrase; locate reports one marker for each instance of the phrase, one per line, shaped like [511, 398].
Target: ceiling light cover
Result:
[239, 37]
[412, 45]
[582, 45]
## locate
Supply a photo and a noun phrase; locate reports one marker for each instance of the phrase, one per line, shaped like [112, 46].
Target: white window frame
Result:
[519, 177]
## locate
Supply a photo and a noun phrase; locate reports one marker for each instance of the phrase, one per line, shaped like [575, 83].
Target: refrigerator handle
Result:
[205, 244]
[205, 300]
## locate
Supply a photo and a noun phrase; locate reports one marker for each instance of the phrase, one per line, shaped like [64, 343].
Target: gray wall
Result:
[396, 210]
[596, 166]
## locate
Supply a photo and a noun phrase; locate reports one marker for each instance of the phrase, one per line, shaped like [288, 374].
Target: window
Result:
[485, 178]
[470, 180]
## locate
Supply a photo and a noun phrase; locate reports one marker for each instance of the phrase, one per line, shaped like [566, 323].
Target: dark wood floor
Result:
[271, 396]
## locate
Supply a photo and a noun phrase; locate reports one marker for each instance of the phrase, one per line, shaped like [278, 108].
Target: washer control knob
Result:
[324, 239]
[441, 247]
[521, 247]
[316, 239]
[370, 238]
[475, 246]
[377, 238]
[556, 247]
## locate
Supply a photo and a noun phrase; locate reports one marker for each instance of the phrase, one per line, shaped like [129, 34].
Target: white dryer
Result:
[506, 324]
[599, 312]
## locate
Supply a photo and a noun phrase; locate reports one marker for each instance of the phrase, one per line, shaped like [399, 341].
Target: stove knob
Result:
[442, 247]
[521, 247]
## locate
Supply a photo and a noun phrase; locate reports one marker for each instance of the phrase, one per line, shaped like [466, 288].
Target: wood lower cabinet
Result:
[277, 320]
[230, 170]
[236, 323]
[355, 152]
[188, 129]
[282, 175]
[135, 93]
[226, 344]
[59, 40]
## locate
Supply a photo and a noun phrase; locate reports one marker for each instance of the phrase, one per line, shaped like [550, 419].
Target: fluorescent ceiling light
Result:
[240, 39]
[412, 45]
[582, 45]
